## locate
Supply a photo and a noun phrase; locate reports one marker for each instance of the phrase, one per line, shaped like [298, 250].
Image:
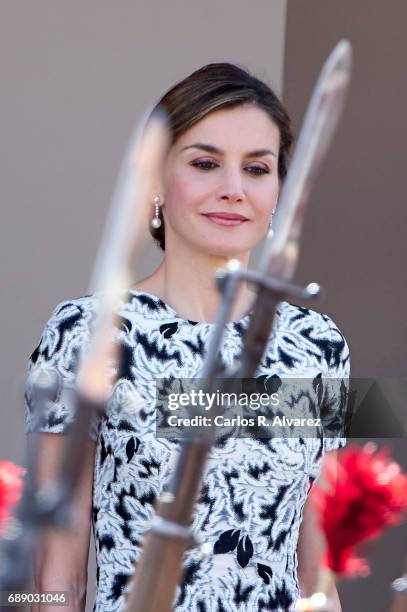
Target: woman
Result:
[231, 139]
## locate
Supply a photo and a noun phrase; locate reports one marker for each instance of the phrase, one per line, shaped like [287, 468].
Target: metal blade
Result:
[280, 254]
[122, 242]
[128, 217]
[126, 231]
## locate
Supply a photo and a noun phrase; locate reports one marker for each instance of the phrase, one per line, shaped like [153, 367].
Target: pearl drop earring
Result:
[156, 221]
[270, 232]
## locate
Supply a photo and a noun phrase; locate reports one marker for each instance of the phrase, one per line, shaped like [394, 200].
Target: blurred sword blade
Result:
[280, 254]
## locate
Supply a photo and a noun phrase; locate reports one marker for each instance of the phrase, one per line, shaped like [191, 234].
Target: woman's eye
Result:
[208, 164]
[257, 170]
[204, 164]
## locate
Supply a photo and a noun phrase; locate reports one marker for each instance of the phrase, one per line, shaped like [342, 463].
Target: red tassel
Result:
[11, 486]
[367, 492]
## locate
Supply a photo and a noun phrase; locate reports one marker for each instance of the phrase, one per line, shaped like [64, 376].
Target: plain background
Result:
[76, 76]
[355, 243]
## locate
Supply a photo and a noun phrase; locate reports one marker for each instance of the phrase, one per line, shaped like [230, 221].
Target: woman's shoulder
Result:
[318, 329]
[80, 306]
[300, 317]
[69, 323]
[74, 313]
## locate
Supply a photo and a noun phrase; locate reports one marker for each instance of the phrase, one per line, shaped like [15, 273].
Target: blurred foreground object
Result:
[11, 486]
[366, 493]
[45, 505]
[122, 243]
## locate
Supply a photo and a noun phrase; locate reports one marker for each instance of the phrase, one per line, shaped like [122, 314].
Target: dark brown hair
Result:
[216, 86]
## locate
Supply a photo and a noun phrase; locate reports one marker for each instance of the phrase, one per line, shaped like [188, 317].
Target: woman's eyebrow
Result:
[212, 149]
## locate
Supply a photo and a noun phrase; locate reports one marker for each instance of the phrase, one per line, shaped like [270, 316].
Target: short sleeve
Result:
[54, 363]
[336, 387]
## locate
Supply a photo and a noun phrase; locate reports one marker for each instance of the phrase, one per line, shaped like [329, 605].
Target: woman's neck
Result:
[187, 284]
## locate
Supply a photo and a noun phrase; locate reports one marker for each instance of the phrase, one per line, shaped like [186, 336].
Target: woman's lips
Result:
[229, 219]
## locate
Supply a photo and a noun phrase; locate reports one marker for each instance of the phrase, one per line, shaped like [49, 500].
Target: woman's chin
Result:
[213, 245]
[225, 249]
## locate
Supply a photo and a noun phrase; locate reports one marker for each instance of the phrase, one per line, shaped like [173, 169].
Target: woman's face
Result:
[221, 182]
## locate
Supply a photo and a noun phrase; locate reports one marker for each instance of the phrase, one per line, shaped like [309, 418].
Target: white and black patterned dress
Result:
[254, 490]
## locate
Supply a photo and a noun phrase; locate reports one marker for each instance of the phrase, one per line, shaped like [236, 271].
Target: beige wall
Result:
[355, 243]
[74, 78]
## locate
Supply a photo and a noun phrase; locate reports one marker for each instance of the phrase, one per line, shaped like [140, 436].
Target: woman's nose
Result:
[231, 188]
